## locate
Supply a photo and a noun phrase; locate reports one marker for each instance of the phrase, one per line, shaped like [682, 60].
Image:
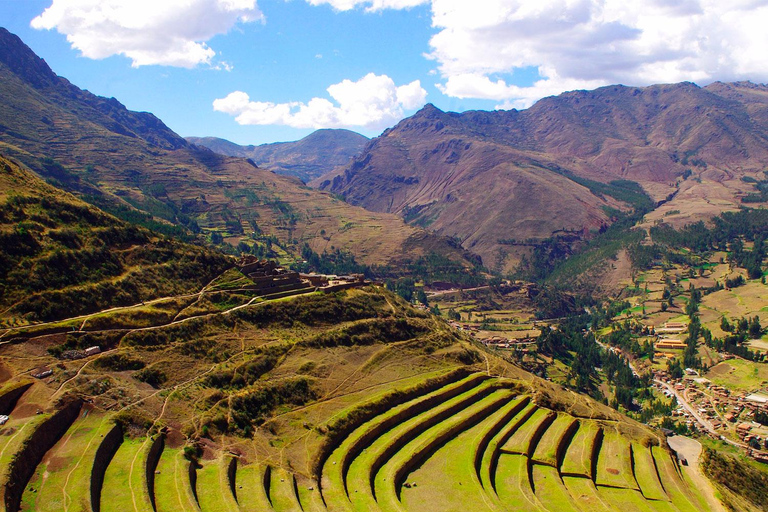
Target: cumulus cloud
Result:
[373, 102]
[164, 32]
[582, 44]
[370, 5]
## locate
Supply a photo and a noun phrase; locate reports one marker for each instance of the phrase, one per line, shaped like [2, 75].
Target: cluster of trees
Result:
[574, 342]
[738, 332]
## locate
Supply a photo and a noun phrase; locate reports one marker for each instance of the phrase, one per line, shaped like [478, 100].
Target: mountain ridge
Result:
[434, 167]
[130, 161]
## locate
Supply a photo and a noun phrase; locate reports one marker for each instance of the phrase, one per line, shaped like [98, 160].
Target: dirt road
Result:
[690, 450]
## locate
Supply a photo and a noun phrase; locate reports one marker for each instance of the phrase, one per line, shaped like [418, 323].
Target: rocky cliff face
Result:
[491, 177]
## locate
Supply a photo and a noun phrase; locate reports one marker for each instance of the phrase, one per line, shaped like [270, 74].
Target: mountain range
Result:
[316, 154]
[502, 181]
[131, 164]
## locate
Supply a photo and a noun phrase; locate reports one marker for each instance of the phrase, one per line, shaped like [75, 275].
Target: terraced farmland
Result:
[463, 442]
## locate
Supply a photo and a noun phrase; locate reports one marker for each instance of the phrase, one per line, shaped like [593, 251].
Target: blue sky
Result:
[276, 70]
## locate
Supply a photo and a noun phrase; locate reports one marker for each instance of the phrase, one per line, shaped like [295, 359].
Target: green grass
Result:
[12, 442]
[173, 491]
[520, 442]
[672, 482]
[614, 462]
[62, 480]
[492, 452]
[399, 466]
[282, 492]
[627, 500]
[645, 472]
[550, 489]
[549, 446]
[334, 471]
[251, 492]
[447, 479]
[578, 457]
[124, 481]
[584, 494]
[213, 491]
[363, 468]
[512, 483]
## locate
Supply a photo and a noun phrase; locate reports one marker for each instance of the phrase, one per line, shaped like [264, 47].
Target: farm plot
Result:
[525, 439]
[550, 490]
[62, 480]
[447, 479]
[554, 441]
[125, 485]
[646, 474]
[614, 462]
[578, 456]
[173, 490]
[253, 483]
[395, 471]
[214, 492]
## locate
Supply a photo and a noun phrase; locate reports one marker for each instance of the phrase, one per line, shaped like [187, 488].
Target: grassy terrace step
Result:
[513, 484]
[582, 450]
[550, 490]
[360, 478]
[525, 439]
[646, 474]
[125, 486]
[627, 500]
[337, 465]
[672, 481]
[498, 421]
[447, 480]
[585, 494]
[173, 490]
[579, 455]
[283, 491]
[555, 440]
[13, 435]
[252, 486]
[62, 480]
[392, 475]
[491, 456]
[214, 492]
[614, 462]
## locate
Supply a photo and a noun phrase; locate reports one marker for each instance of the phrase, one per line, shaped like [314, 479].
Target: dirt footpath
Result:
[690, 450]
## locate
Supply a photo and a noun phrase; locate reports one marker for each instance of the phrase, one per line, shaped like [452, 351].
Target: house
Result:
[92, 351]
[3, 419]
[670, 344]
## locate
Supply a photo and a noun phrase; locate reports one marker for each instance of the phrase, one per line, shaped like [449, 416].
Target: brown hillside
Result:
[116, 158]
[486, 177]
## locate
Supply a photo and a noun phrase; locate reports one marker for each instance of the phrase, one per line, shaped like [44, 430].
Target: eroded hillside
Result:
[501, 181]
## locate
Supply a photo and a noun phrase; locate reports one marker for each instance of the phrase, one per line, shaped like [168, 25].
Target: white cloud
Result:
[370, 5]
[479, 44]
[579, 44]
[165, 32]
[373, 102]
